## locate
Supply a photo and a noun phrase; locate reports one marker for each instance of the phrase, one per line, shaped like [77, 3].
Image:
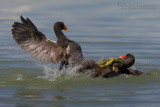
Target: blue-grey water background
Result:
[104, 28]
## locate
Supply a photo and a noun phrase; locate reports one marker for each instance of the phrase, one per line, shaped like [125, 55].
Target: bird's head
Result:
[129, 60]
[61, 26]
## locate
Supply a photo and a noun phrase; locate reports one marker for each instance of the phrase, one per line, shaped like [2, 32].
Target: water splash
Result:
[19, 77]
[52, 73]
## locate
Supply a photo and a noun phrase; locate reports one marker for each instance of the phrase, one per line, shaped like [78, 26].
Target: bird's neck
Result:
[59, 34]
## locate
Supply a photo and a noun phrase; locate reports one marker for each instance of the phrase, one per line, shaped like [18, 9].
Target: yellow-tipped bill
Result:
[123, 56]
[65, 28]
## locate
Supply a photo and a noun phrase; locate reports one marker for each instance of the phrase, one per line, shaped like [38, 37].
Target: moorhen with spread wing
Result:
[66, 51]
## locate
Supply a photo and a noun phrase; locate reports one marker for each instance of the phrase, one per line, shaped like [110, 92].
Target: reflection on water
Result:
[24, 93]
[103, 29]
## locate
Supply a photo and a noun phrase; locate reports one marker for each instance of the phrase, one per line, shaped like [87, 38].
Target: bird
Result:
[64, 51]
[111, 67]
[29, 38]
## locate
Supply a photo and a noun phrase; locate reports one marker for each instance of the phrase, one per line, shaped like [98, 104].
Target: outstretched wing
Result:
[34, 42]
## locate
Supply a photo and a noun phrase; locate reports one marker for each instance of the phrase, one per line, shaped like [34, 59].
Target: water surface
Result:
[104, 28]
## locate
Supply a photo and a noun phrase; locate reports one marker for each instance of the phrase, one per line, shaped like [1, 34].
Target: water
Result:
[104, 28]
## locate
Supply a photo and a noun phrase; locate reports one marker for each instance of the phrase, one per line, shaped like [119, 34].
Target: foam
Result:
[52, 73]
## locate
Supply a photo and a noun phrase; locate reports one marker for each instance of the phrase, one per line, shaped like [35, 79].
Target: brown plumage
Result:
[35, 43]
[118, 67]
[29, 38]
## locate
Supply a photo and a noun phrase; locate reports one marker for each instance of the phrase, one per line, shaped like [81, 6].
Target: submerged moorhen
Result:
[66, 51]
[111, 67]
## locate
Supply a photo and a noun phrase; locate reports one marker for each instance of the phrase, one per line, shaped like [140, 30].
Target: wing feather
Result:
[34, 42]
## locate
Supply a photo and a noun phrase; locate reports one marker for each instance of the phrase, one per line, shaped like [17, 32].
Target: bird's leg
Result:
[130, 71]
[63, 63]
[135, 72]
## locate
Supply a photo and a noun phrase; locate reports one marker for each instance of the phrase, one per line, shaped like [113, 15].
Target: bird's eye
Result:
[62, 26]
